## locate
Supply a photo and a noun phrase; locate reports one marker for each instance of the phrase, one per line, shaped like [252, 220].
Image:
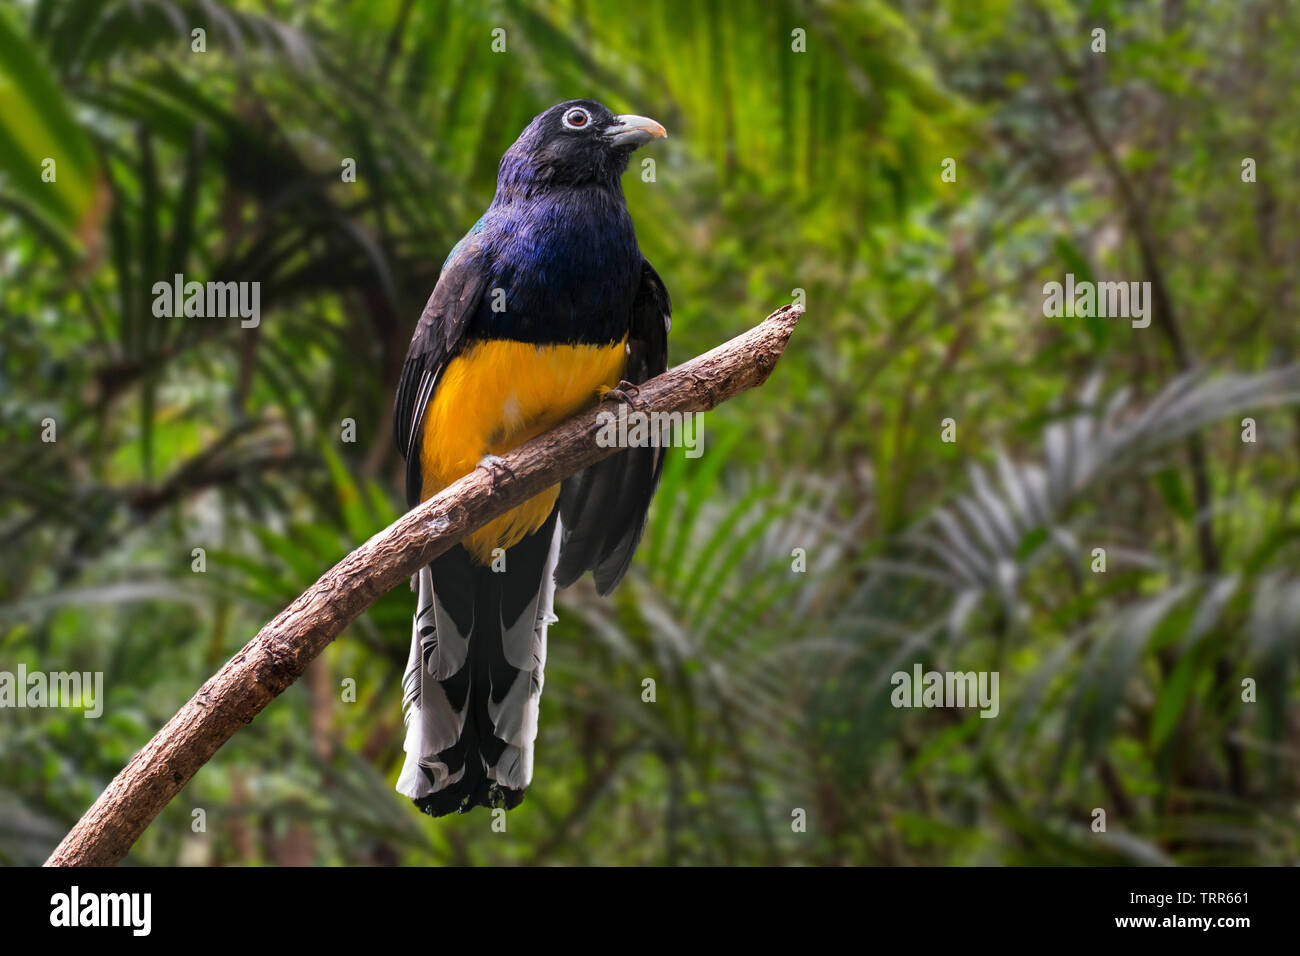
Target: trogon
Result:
[543, 308]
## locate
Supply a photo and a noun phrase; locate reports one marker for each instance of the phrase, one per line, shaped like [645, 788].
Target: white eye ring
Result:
[577, 118]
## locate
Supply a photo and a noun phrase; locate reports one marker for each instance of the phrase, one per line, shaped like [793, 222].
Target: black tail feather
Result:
[477, 601]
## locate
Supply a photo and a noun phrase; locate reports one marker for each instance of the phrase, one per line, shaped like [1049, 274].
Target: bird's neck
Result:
[524, 184]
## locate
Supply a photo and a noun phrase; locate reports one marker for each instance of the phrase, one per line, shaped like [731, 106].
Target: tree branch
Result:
[281, 651]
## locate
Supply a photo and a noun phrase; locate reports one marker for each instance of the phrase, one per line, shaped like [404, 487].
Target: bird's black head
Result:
[576, 143]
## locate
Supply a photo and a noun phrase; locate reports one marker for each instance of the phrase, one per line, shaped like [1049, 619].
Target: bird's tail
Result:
[473, 681]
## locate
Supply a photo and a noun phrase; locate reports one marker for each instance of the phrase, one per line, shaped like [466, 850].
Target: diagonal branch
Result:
[281, 651]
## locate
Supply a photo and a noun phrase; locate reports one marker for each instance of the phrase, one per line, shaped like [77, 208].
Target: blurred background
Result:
[827, 537]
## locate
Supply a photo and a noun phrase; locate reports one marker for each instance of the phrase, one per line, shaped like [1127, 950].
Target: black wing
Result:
[438, 337]
[603, 509]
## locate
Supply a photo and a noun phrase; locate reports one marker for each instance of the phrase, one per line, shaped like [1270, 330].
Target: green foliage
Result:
[40, 134]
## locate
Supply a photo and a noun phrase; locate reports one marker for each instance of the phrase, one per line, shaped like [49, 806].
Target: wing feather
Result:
[603, 508]
[439, 335]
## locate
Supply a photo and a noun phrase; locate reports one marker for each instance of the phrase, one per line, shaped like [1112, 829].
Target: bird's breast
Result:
[563, 272]
[496, 395]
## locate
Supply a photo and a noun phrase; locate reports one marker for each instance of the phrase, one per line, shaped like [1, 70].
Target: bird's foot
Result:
[492, 464]
[625, 393]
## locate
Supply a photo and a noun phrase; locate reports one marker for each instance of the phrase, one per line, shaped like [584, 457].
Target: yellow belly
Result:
[495, 396]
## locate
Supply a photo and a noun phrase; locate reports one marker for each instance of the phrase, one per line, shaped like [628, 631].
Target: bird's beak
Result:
[632, 131]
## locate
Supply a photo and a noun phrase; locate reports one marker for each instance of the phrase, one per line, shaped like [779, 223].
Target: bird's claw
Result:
[625, 392]
[490, 464]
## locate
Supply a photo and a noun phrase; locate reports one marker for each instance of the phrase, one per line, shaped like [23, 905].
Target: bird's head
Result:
[575, 143]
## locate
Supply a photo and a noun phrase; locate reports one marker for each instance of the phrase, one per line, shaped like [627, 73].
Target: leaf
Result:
[36, 125]
[1170, 482]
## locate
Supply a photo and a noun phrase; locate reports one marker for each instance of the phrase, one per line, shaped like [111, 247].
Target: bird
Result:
[545, 307]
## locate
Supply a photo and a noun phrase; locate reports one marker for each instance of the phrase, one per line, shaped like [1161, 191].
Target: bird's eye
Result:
[576, 118]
